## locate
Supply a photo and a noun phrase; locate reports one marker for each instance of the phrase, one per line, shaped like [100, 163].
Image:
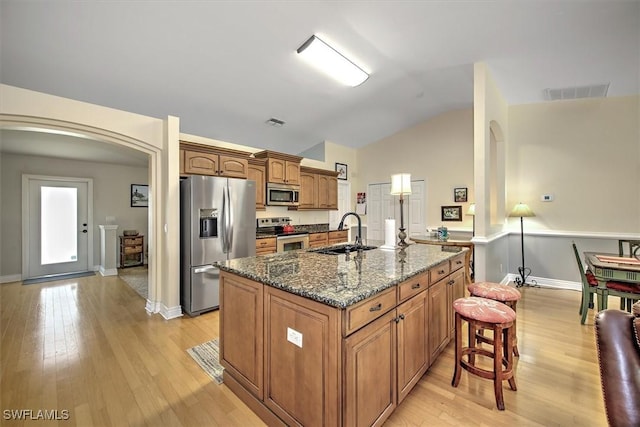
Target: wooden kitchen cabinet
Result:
[385, 359]
[241, 351]
[318, 240]
[257, 171]
[449, 285]
[267, 245]
[370, 376]
[199, 159]
[308, 191]
[302, 340]
[131, 251]
[318, 189]
[338, 236]
[281, 168]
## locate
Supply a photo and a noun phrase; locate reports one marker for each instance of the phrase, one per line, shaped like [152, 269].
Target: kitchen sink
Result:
[341, 249]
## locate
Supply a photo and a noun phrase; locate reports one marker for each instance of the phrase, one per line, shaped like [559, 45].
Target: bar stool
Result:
[486, 314]
[503, 293]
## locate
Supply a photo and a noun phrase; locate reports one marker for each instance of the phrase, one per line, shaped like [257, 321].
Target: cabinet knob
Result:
[415, 286]
[401, 317]
[376, 307]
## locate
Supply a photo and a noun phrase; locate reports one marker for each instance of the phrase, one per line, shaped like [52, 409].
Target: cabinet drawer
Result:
[318, 237]
[457, 263]
[364, 312]
[269, 242]
[413, 286]
[133, 250]
[133, 241]
[439, 271]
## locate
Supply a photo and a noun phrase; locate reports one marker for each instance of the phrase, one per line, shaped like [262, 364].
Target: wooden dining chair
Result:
[627, 292]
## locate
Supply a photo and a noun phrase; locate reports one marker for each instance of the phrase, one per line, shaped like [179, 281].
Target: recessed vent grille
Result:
[275, 122]
[592, 91]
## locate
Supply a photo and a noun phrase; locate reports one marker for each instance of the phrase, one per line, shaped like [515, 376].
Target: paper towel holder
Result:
[401, 185]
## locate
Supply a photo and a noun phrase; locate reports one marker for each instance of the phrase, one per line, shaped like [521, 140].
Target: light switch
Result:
[294, 337]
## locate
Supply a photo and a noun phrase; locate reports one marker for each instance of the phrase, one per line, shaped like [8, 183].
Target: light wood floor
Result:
[87, 346]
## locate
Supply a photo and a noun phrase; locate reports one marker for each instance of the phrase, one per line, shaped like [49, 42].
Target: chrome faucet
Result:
[359, 236]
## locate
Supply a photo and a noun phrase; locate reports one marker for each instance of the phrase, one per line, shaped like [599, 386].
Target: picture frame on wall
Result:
[451, 213]
[139, 196]
[341, 168]
[460, 194]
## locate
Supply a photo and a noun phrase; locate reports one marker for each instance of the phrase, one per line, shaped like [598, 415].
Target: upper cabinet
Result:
[258, 173]
[204, 160]
[281, 168]
[318, 189]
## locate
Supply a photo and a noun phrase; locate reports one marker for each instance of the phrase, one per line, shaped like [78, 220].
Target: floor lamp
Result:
[522, 210]
[400, 185]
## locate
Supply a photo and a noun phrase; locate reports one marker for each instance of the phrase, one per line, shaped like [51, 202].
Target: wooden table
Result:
[607, 271]
[426, 240]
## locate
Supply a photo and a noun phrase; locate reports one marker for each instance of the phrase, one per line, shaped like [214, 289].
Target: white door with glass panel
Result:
[58, 228]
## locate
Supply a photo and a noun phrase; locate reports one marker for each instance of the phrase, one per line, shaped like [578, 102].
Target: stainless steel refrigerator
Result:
[218, 223]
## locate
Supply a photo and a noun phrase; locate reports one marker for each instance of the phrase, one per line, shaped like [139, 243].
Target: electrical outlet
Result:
[294, 337]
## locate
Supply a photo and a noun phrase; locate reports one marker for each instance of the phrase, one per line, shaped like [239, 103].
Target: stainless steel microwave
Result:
[282, 194]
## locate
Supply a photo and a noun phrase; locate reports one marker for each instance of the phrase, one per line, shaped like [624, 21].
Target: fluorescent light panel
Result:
[330, 61]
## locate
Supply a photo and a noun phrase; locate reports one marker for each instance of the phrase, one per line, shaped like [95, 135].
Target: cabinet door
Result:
[292, 173]
[233, 167]
[413, 344]
[241, 339]
[200, 163]
[327, 192]
[258, 174]
[302, 356]
[276, 171]
[438, 318]
[370, 373]
[308, 194]
[456, 288]
[317, 240]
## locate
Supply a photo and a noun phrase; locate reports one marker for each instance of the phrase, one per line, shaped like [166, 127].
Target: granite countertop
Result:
[334, 280]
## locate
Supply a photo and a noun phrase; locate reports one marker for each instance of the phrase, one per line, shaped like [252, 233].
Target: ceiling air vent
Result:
[275, 122]
[592, 91]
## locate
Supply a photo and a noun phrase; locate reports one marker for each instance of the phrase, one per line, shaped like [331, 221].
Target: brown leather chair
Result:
[618, 343]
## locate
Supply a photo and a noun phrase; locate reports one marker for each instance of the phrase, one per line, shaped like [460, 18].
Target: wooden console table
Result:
[426, 240]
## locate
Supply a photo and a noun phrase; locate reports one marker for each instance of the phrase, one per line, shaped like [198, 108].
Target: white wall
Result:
[111, 189]
[439, 151]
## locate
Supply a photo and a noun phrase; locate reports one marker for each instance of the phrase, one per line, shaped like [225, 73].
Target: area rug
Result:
[137, 278]
[54, 277]
[206, 355]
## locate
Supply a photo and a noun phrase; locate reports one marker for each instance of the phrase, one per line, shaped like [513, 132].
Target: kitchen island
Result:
[314, 339]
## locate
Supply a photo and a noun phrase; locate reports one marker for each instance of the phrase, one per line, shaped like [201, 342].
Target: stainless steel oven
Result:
[292, 242]
[282, 194]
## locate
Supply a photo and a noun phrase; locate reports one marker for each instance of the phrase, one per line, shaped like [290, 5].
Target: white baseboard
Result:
[11, 278]
[108, 271]
[170, 312]
[545, 282]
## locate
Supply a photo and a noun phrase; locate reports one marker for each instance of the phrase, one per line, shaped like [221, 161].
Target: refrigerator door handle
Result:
[204, 269]
[225, 236]
[229, 224]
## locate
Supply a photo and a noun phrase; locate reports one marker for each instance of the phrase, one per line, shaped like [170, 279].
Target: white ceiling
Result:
[225, 67]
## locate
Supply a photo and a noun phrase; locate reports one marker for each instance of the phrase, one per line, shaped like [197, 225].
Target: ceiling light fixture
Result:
[330, 61]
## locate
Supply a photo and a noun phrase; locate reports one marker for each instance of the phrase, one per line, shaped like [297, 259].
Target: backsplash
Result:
[297, 217]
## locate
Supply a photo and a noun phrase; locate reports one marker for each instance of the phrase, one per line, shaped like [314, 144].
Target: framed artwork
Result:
[451, 213]
[460, 194]
[341, 168]
[139, 196]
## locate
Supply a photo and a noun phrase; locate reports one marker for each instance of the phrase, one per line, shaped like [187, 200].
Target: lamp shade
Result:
[522, 210]
[472, 209]
[325, 58]
[401, 183]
